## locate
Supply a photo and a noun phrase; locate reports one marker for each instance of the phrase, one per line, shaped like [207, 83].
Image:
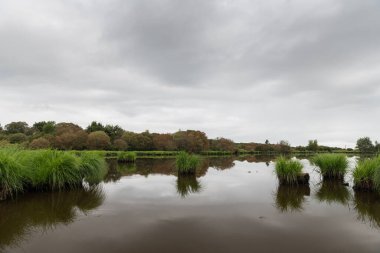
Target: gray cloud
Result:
[247, 70]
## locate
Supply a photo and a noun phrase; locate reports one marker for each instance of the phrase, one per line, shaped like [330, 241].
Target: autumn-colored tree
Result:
[39, 143]
[191, 141]
[98, 140]
[164, 142]
[69, 136]
[135, 141]
[120, 144]
[222, 144]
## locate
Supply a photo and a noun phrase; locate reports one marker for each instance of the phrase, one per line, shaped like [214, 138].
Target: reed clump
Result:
[331, 166]
[367, 175]
[187, 163]
[289, 172]
[47, 170]
[126, 157]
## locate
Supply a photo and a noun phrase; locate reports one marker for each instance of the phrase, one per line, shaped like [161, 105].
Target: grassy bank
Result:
[289, 171]
[47, 170]
[331, 166]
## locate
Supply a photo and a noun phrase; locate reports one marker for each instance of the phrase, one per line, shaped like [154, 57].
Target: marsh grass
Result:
[288, 171]
[11, 172]
[291, 198]
[187, 163]
[333, 192]
[367, 174]
[187, 184]
[331, 166]
[126, 157]
[47, 170]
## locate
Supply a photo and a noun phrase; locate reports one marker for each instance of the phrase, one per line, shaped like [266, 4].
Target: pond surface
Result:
[233, 205]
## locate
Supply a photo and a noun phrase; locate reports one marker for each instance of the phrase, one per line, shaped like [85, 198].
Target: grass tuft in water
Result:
[93, 168]
[187, 163]
[126, 157]
[331, 166]
[367, 174]
[288, 171]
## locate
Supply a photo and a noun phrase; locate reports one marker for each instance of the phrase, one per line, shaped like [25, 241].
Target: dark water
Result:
[231, 206]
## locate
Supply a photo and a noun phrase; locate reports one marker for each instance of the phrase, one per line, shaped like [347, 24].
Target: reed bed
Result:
[331, 166]
[47, 170]
[126, 157]
[289, 171]
[187, 163]
[367, 175]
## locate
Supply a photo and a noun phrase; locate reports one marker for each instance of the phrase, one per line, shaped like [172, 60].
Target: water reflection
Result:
[367, 206]
[187, 184]
[332, 191]
[45, 211]
[291, 198]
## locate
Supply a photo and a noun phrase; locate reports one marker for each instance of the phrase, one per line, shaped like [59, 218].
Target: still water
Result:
[232, 205]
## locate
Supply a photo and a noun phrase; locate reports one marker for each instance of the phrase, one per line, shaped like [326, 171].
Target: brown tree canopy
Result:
[191, 141]
[98, 140]
[39, 143]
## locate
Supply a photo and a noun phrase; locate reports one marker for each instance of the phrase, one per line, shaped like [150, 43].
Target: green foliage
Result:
[365, 145]
[11, 172]
[288, 170]
[331, 166]
[126, 157]
[16, 127]
[313, 145]
[367, 174]
[17, 138]
[47, 170]
[187, 163]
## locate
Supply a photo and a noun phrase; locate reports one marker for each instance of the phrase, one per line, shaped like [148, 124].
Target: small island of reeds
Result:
[289, 172]
[126, 157]
[186, 163]
[331, 166]
[367, 175]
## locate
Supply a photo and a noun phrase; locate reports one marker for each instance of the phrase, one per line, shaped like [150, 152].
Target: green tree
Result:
[365, 145]
[98, 140]
[16, 127]
[313, 145]
[46, 127]
[17, 138]
[95, 126]
[267, 142]
[114, 132]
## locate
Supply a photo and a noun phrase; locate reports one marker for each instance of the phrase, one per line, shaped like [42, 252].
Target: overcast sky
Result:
[245, 70]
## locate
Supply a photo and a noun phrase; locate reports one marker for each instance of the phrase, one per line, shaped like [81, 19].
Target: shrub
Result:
[126, 157]
[39, 143]
[288, 171]
[120, 144]
[331, 166]
[187, 163]
[17, 138]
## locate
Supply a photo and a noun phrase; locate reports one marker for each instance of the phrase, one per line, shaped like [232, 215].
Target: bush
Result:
[187, 163]
[17, 138]
[98, 140]
[331, 166]
[288, 171]
[39, 143]
[120, 144]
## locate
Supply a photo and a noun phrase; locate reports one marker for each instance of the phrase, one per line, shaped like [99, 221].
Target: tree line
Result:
[96, 136]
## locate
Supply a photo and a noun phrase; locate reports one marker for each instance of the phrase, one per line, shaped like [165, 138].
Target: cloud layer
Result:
[246, 70]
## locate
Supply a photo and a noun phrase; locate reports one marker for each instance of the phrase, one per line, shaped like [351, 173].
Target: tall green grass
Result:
[331, 166]
[288, 170]
[47, 170]
[367, 174]
[187, 163]
[11, 172]
[126, 157]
